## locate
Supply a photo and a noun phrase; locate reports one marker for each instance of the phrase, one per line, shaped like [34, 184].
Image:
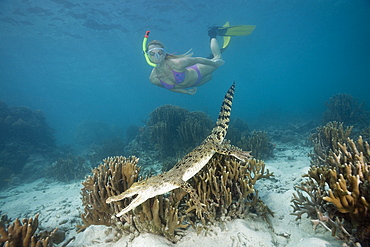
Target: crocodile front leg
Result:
[198, 206]
[230, 150]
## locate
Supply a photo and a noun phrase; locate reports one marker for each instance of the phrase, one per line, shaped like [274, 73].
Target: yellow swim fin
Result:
[240, 30]
[227, 31]
[226, 38]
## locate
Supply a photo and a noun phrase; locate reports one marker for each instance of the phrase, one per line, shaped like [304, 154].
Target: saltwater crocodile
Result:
[187, 167]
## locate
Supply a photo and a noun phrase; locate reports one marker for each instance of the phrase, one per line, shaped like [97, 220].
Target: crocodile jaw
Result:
[144, 191]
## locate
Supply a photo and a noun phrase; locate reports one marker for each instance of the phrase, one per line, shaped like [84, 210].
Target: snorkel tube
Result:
[144, 49]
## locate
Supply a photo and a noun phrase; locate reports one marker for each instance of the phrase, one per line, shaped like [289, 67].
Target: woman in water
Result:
[182, 73]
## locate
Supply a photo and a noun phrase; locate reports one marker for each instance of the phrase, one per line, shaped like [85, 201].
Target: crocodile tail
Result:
[219, 131]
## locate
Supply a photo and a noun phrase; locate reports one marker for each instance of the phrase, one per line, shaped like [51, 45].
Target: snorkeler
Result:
[183, 73]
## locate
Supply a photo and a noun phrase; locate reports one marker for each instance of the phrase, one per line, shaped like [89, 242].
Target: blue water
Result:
[83, 61]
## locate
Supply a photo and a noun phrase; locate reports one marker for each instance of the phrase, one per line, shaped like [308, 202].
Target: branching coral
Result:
[225, 186]
[307, 205]
[4, 220]
[158, 215]
[237, 129]
[22, 234]
[259, 143]
[325, 139]
[114, 175]
[365, 133]
[350, 182]
[256, 141]
[172, 130]
[194, 128]
[338, 185]
[161, 216]
[345, 108]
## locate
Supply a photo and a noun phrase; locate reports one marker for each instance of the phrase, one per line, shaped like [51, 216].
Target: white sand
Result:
[60, 205]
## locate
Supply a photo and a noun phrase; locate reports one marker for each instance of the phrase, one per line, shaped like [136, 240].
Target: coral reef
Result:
[293, 133]
[345, 108]
[237, 129]
[335, 193]
[91, 132]
[22, 133]
[256, 141]
[225, 186]
[259, 144]
[114, 175]
[70, 168]
[365, 133]
[173, 131]
[95, 153]
[4, 220]
[157, 215]
[131, 132]
[325, 139]
[22, 234]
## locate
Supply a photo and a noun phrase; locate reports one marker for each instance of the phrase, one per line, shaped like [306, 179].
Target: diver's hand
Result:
[192, 91]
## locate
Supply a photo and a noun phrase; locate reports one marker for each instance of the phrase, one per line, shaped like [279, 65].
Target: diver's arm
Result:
[154, 80]
[185, 62]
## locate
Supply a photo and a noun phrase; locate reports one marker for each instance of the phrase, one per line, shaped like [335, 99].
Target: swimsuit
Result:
[180, 77]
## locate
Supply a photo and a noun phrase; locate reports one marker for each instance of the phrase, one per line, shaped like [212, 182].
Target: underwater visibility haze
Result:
[78, 61]
[76, 103]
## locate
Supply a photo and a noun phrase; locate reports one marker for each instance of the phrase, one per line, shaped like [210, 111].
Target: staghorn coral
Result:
[225, 186]
[22, 234]
[365, 133]
[337, 190]
[349, 181]
[114, 175]
[325, 139]
[158, 215]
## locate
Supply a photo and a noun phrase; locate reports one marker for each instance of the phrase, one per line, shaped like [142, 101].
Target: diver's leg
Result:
[215, 48]
[204, 80]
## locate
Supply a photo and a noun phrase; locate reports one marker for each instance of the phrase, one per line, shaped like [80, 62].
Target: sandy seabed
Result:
[59, 205]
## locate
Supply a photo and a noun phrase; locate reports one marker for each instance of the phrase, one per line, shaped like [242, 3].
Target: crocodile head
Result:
[144, 190]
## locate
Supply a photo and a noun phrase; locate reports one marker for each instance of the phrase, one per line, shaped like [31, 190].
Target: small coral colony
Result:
[334, 194]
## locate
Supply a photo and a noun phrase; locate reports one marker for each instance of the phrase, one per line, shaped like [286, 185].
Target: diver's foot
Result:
[212, 32]
[192, 91]
[218, 61]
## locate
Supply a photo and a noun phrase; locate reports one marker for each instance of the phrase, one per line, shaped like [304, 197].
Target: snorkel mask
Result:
[156, 54]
